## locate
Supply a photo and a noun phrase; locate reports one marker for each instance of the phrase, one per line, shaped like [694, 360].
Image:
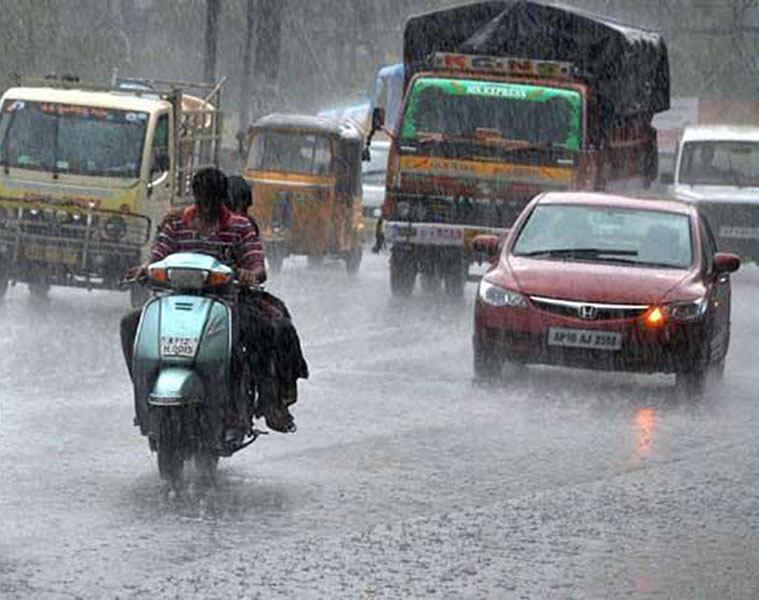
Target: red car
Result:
[605, 282]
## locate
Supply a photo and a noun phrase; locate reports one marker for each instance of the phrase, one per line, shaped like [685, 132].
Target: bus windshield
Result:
[72, 139]
[509, 111]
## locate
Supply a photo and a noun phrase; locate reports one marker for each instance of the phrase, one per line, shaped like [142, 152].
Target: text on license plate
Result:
[584, 338]
[179, 346]
[50, 254]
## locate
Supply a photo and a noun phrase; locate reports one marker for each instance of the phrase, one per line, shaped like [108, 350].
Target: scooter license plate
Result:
[184, 347]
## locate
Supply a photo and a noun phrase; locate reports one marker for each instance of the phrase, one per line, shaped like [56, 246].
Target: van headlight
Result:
[495, 295]
[691, 310]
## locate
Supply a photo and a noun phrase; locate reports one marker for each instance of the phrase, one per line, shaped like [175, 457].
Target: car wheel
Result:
[690, 385]
[402, 274]
[488, 362]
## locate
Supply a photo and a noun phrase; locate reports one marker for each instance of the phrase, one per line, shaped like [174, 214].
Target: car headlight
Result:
[688, 311]
[404, 209]
[497, 296]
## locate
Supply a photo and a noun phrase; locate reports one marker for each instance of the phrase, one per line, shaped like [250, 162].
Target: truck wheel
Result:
[455, 277]
[402, 274]
[353, 260]
[689, 385]
[315, 261]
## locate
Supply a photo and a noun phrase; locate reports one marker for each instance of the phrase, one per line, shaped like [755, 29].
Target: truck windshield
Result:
[720, 163]
[290, 153]
[73, 139]
[510, 111]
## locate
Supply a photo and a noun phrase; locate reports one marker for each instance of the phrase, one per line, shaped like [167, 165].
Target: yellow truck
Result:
[88, 171]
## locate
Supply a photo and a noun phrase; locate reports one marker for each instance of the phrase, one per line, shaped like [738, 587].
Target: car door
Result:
[719, 293]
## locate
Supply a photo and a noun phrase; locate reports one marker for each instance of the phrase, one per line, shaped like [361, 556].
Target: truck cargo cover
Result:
[627, 65]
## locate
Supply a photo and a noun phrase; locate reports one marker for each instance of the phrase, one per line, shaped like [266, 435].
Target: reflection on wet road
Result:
[404, 479]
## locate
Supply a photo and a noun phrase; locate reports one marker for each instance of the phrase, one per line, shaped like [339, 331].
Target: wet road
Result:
[404, 479]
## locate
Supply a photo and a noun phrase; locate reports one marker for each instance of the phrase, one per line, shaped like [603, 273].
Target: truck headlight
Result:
[495, 295]
[691, 310]
[404, 209]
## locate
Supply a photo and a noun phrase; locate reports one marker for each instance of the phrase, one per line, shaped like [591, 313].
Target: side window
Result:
[160, 161]
[710, 246]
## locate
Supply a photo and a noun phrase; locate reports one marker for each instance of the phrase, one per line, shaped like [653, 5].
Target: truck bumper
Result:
[435, 234]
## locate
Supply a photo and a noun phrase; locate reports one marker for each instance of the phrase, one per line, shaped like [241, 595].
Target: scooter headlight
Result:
[188, 279]
[495, 295]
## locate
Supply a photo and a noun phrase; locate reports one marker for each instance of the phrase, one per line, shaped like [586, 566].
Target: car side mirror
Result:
[726, 263]
[486, 246]
[378, 118]
[667, 178]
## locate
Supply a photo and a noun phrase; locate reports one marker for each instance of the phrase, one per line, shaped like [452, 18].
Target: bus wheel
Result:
[402, 274]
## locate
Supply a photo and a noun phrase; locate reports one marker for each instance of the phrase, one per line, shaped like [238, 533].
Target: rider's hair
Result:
[239, 198]
[209, 188]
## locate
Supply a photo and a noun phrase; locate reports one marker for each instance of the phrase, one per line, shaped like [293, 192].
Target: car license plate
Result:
[47, 254]
[584, 338]
[184, 347]
[743, 233]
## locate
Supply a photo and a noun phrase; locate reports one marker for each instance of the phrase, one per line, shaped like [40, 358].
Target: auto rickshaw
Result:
[305, 173]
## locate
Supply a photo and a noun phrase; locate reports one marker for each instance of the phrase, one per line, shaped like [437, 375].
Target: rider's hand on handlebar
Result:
[251, 277]
[137, 272]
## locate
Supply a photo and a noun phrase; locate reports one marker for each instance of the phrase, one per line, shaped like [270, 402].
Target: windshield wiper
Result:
[580, 253]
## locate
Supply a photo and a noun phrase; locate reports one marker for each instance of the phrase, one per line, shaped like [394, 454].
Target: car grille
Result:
[589, 311]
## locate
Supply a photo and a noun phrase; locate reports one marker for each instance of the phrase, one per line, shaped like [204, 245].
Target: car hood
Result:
[709, 193]
[594, 282]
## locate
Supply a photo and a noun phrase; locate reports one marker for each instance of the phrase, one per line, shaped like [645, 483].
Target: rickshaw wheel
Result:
[353, 260]
[275, 262]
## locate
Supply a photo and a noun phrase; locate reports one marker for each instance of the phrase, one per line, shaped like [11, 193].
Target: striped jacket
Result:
[236, 242]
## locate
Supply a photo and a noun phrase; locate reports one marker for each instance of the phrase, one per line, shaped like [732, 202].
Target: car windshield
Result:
[720, 163]
[308, 154]
[497, 111]
[73, 139]
[604, 234]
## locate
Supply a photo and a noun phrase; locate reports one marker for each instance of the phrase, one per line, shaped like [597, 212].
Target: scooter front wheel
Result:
[170, 454]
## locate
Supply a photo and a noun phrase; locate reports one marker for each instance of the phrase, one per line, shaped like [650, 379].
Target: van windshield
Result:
[73, 139]
[290, 153]
[509, 111]
[720, 163]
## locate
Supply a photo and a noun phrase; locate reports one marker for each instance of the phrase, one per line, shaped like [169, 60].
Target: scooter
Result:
[193, 391]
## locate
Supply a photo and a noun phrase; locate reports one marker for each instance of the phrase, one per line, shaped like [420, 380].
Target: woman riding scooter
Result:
[209, 227]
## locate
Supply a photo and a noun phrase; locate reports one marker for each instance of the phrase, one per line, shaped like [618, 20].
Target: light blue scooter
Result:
[194, 394]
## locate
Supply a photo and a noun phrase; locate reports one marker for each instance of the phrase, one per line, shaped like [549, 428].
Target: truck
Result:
[502, 101]
[88, 171]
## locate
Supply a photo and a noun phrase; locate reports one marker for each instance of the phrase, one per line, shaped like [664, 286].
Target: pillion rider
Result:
[209, 227]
